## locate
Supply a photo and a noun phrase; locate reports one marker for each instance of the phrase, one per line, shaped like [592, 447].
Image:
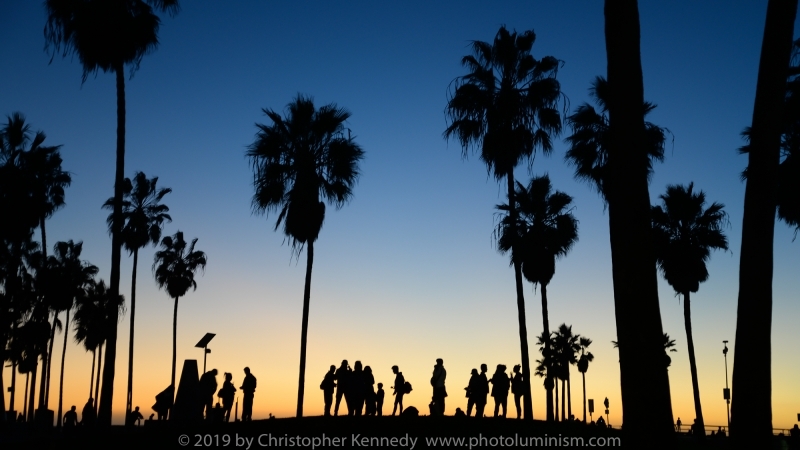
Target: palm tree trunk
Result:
[563, 402]
[569, 395]
[687, 320]
[174, 342]
[546, 322]
[583, 375]
[107, 396]
[129, 402]
[32, 393]
[91, 382]
[523, 327]
[61, 380]
[2, 392]
[751, 403]
[25, 398]
[97, 381]
[13, 386]
[46, 357]
[304, 328]
[646, 404]
[555, 386]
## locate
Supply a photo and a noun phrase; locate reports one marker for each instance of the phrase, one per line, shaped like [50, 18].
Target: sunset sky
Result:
[407, 272]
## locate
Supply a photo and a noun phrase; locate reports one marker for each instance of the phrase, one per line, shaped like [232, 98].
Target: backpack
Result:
[407, 387]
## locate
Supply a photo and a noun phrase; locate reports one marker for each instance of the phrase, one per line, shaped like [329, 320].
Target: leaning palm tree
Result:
[174, 267]
[299, 162]
[107, 35]
[684, 233]
[506, 107]
[546, 230]
[583, 366]
[144, 218]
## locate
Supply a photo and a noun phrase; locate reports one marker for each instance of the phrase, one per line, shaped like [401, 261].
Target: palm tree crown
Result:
[685, 234]
[590, 138]
[176, 263]
[143, 214]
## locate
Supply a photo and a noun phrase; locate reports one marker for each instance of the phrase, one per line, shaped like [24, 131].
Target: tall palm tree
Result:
[72, 279]
[583, 366]
[300, 162]
[108, 35]
[506, 107]
[144, 218]
[174, 267]
[546, 230]
[684, 233]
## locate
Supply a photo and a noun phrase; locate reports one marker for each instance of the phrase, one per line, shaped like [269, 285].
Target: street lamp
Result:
[204, 345]
[726, 393]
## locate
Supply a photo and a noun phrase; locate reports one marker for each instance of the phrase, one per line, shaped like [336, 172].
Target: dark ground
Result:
[350, 431]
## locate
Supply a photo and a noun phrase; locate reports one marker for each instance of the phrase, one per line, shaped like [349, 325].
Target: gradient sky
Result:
[407, 272]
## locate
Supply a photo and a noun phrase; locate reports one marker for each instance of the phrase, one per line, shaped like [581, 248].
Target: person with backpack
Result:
[399, 389]
[328, 384]
[226, 394]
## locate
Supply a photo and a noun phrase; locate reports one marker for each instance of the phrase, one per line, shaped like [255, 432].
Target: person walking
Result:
[399, 389]
[248, 387]
[437, 381]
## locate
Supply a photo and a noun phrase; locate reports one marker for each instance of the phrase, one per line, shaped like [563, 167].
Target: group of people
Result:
[88, 415]
[478, 389]
[357, 386]
[220, 413]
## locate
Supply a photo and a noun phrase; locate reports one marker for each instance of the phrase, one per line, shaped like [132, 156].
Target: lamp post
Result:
[204, 345]
[726, 393]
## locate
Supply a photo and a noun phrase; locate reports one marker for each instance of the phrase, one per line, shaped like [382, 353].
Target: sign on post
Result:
[591, 407]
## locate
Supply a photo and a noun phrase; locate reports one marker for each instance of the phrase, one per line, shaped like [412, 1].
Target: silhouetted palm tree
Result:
[684, 234]
[174, 267]
[547, 367]
[72, 278]
[590, 138]
[506, 107]
[144, 218]
[107, 35]
[583, 366]
[545, 230]
[668, 347]
[299, 162]
[567, 348]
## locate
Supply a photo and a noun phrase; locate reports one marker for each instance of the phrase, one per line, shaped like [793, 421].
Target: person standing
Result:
[482, 392]
[328, 385]
[71, 418]
[518, 389]
[473, 389]
[226, 394]
[208, 387]
[379, 400]
[399, 389]
[437, 381]
[342, 376]
[500, 386]
[248, 387]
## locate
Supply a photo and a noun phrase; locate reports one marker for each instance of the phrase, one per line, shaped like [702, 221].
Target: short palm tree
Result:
[546, 230]
[144, 218]
[684, 233]
[174, 267]
[506, 108]
[108, 35]
[567, 348]
[301, 161]
[547, 367]
[583, 365]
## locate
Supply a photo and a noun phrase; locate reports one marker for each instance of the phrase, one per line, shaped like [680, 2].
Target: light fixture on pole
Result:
[204, 345]
[726, 393]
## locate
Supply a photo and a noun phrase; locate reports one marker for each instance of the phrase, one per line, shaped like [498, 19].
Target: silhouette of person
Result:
[357, 388]
[227, 393]
[794, 437]
[88, 415]
[71, 418]
[481, 392]
[208, 387]
[342, 376]
[459, 413]
[399, 389]
[720, 432]
[164, 401]
[328, 385]
[379, 400]
[248, 388]
[500, 384]
[518, 389]
[437, 381]
[135, 417]
[369, 391]
[678, 425]
[473, 388]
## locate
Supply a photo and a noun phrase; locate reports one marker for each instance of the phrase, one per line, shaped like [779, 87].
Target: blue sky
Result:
[407, 272]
